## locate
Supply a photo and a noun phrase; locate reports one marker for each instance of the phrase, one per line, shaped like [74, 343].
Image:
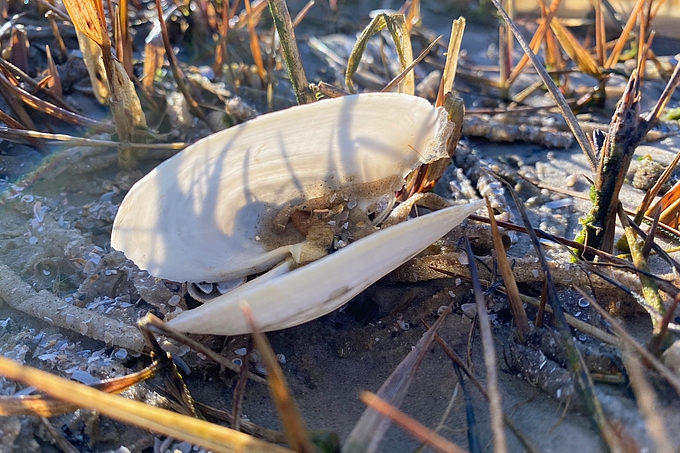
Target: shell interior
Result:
[209, 213]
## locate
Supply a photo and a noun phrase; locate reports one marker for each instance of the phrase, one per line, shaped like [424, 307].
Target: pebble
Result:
[571, 180]
[558, 204]
[463, 259]
[84, 377]
[469, 309]
[174, 300]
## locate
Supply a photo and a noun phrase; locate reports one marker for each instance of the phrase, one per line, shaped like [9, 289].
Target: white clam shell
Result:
[208, 214]
[320, 287]
[196, 217]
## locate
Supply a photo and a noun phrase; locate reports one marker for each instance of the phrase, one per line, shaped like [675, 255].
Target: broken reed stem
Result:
[452, 53]
[649, 240]
[600, 39]
[303, 12]
[290, 51]
[540, 315]
[623, 38]
[81, 141]
[505, 51]
[58, 437]
[495, 403]
[644, 209]
[32, 85]
[569, 117]
[177, 73]
[516, 306]
[399, 77]
[247, 426]
[63, 51]
[240, 389]
[577, 323]
[255, 44]
[665, 97]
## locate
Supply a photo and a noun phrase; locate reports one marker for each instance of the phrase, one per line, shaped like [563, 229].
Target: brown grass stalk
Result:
[255, 44]
[526, 443]
[516, 305]
[293, 424]
[411, 426]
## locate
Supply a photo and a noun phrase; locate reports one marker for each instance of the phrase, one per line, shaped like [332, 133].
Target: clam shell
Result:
[320, 287]
[199, 216]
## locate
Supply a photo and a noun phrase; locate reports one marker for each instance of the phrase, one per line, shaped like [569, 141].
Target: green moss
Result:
[586, 221]
[673, 114]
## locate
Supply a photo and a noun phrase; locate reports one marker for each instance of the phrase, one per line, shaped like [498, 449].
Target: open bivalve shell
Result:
[318, 288]
[284, 189]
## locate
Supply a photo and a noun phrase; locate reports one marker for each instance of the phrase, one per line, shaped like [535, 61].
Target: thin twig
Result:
[410, 67]
[293, 424]
[9, 133]
[410, 425]
[177, 73]
[495, 403]
[159, 327]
